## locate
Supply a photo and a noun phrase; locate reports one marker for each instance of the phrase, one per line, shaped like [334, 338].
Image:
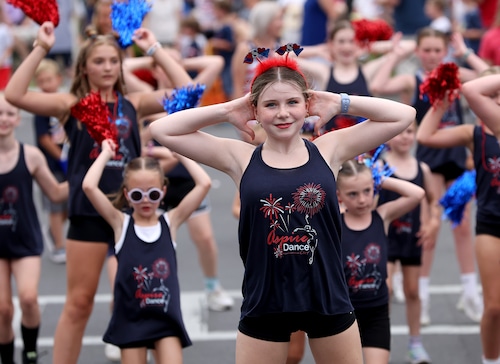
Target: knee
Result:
[6, 313]
[492, 311]
[28, 302]
[411, 293]
[79, 307]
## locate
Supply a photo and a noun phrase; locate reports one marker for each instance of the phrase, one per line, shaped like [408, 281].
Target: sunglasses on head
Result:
[136, 195]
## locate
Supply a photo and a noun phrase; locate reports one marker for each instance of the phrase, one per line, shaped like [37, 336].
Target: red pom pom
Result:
[39, 10]
[94, 113]
[368, 31]
[441, 80]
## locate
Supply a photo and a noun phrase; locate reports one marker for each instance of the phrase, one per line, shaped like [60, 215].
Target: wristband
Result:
[152, 50]
[42, 44]
[467, 53]
[345, 101]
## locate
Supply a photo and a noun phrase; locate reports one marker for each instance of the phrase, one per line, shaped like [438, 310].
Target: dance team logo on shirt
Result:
[151, 290]
[307, 200]
[8, 212]
[401, 226]
[364, 274]
[494, 167]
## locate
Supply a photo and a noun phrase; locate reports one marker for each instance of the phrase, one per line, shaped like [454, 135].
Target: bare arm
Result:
[482, 96]
[181, 133]
[410, 197]
[49, 146]
[383, 83]
[147, 103]
[385, 119]
[37, 165]
[41, 103]
[194, 198]
[430, 213]
[461, 51]
[99, 200]
[429, 134]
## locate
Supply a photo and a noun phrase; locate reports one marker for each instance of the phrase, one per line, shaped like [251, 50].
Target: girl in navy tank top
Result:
[98, 68]
[446, 164]
[364, 249]
[483, 96]
[411, 233]
[21, 241]
[290, 227]
[146, 285]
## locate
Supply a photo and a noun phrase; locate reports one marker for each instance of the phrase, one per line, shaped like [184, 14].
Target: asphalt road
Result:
[450, 339]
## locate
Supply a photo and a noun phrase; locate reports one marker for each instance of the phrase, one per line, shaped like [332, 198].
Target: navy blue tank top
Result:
[487, 163]
[146, 293]
[289, 234]
[365, 263]
[436, 157]
[84, 150]
[403, 231]
[357, 87]
[20, 233]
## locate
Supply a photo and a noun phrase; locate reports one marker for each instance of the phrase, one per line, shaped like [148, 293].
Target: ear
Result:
[338, 196]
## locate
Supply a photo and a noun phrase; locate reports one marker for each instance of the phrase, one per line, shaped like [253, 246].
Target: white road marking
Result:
[195, 314]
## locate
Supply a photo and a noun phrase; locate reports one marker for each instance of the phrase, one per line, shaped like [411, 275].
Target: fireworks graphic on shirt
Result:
[372, 253]
[309, 199]
[149, 293]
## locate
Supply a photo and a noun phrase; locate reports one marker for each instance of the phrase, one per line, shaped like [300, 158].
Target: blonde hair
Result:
[48, 65]
[351, 168]
[262, 15]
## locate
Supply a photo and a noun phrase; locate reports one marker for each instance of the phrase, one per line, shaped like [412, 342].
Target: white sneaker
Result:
[112, 352]
[425, 318]
[473, 307]
[218, 300]
[418, 355]
[58, 256]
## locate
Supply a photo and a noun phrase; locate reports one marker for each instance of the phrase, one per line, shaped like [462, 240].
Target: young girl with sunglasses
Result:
[289, 230]
[147, 310]
[364, 248]
[483, 96]
[98, 68]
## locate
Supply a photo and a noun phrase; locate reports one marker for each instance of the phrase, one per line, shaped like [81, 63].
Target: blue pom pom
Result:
[457, 196]
[379, 173]
[183, 98]
[127, 17]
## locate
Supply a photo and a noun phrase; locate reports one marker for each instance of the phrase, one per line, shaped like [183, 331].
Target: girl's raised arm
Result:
[181, 133]
[483, 96]
[90, 186]
[430, 135]
[385, 119]
[148, 103]
[410, 196]
[193, 199]
[40, 103]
